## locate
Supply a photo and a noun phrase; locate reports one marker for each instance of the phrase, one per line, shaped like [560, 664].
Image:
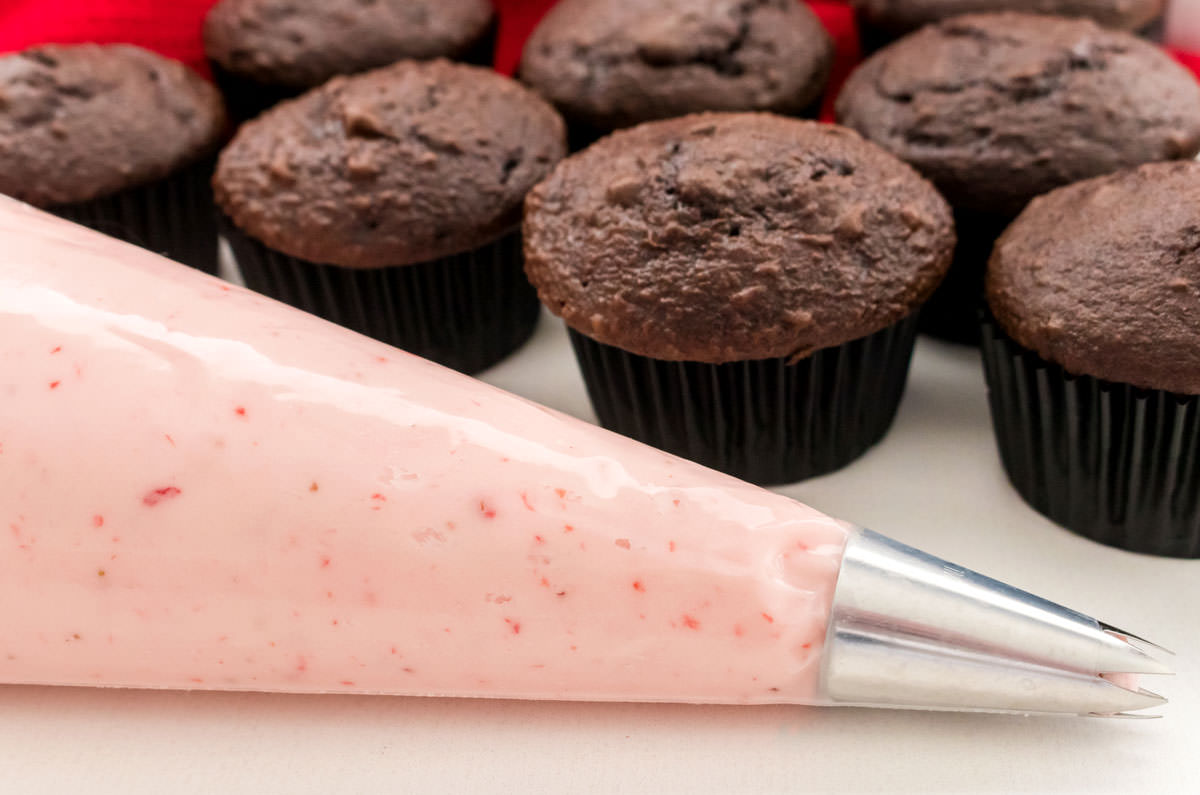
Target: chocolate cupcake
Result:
[608, 64]
[263, 51]
[115, 138]
[390, 202]
[1093, 357]
[997, 108]
[883, 21]
[741, 289]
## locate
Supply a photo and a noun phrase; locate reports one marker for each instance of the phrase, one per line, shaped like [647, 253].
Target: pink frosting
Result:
[202, 488]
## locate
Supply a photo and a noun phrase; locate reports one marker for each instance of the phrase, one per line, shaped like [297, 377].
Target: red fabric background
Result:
[172, 27]
[1188, 59]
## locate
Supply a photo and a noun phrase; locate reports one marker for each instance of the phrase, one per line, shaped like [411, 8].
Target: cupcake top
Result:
[903, 16]
[1103, 277]
[613, 63]
[730, 237]
[303, 43]
[404, 164]
[997, 108]
[78, 122]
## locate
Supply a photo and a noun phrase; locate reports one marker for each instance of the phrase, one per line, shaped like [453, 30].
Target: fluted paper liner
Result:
[1109, 461]
[466, 311]
[765, 421]
[245, 97]
[173, 216]
[952, 312]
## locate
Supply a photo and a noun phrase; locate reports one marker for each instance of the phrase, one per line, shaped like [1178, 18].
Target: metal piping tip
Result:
[1123, 715]
[912, 630]
[1127, 699]
[1136, 640]
[1116, 653]
[1149, 700]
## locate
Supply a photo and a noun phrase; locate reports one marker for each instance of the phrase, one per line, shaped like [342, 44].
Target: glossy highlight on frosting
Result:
[203, 488]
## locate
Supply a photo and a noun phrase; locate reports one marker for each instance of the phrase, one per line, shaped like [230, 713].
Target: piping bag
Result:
[202, 488]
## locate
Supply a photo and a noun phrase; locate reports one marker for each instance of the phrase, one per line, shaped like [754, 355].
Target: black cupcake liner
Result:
[1156, 31]
[765, 421]
[173, 216]
[245, 97]
[872, 38]
[466, 311]
[952, 313]
[483, 51]
[1112, 462]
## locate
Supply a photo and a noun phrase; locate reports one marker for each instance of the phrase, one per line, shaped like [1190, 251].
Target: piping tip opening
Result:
[1137, 641]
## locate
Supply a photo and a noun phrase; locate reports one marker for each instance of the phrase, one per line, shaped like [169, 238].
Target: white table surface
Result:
[934, 482]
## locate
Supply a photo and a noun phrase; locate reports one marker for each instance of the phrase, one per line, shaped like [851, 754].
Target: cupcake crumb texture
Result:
[998, 108]
[723, 237]
[901, 16]
[303, 44]
[613, 63]
[1101, 277]
[404, 164]
[78, 122]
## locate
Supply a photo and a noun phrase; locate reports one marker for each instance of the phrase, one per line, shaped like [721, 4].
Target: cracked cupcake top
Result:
[902, 16]
[1103, 277]
[404, 164]
[82, 121]
[729, 237]
[997, 108]
[303, 43]
[613, 63]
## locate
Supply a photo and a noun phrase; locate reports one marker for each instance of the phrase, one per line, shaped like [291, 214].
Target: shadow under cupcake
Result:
[389, 202]
[1092, 355]
[116, 138]
[741, 289]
